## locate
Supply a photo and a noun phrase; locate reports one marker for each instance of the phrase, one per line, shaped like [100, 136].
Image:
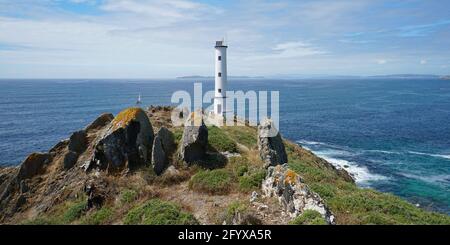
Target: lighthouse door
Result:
[219, 108]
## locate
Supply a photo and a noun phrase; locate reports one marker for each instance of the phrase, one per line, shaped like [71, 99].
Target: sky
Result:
[170, 38]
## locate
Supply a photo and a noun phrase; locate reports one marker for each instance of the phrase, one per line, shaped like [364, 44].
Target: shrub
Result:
[74, 211]
[177, 134]
[157, 212]
[309, 217]
[238, 165]
[252, 181]
[128, 196]
[220, 141]
[216, 181]
[99, 217]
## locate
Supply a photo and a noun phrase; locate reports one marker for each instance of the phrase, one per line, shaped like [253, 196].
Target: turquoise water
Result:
[392, 135]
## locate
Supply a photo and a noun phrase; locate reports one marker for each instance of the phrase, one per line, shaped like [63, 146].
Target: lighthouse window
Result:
[220, 74]
[219, 58]
[220, 90]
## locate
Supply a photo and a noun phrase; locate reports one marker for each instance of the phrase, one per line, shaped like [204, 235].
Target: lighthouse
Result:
[220, 78]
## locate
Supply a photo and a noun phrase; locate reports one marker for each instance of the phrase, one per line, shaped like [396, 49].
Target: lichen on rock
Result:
[293, 194]
[126, 144]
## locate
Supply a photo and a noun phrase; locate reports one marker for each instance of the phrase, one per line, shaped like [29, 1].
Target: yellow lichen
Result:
[196, 118]
[124, 117]
[290, 177]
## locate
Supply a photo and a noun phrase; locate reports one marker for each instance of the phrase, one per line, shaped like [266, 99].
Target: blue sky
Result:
[169, 38]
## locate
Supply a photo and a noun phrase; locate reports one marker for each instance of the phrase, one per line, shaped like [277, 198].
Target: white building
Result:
[220, 78]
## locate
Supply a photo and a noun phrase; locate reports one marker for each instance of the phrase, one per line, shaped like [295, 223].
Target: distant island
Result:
[445, 77]
[407, 76]
[211, 77]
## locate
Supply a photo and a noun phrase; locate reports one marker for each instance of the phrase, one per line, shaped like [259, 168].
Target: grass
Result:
[217, 181]
[220, 141]
[99, 217]
[252, 180]
[309, 217]
[242, 134]
[62, 214]
[128, 196]
[157, 212]
[177, 134]
[73, 212]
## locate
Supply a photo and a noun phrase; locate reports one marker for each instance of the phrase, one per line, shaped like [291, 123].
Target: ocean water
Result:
[392, 135]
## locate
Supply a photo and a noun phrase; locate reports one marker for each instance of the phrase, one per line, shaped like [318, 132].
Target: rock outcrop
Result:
[77, 144]
[100, 122]
[163, 147]
[194, 142]
[270, 144]
[33, 165]
[126, 144]
[292, 193]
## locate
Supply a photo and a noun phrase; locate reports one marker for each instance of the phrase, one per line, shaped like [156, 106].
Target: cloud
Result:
[422, 30]
[381, 61]
[288, 50]
[175, 10]
[423, 62]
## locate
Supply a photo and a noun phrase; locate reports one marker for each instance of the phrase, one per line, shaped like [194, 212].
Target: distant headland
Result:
[211, 77]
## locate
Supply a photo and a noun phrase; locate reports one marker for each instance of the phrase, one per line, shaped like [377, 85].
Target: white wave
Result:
[335, 153]
[383, 151]
[429, 154]
[306, 142]
[433, 179]
[361, 174]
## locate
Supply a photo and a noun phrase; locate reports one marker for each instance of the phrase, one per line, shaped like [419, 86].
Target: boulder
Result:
[270, 144]
[70, 159]
[33, 165]
[194, 142]
[292, 193]
[126, 143]
[163, 147]
[78, 142]
[100, 122]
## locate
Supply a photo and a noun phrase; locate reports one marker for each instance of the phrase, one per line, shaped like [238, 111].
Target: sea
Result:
[393, 135]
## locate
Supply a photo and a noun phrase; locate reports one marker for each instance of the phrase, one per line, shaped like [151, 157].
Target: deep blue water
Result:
[393, 135]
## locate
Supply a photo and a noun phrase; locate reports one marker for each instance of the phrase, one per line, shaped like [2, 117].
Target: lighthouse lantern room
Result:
[220, 78]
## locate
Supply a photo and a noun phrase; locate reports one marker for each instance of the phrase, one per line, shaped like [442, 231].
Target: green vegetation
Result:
[177, 134]
[243, 135]
[99, 217]
[128, 196]
[217, 181]
[220, 141]
[231, 210]
[73, 212]
[65, 213]
[157, 212]
[252, 180]
[309, 217]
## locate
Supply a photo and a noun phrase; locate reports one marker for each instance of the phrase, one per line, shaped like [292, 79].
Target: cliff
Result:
[137, 168]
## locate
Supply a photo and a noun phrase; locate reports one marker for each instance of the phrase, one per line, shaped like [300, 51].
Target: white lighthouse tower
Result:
[220, 78]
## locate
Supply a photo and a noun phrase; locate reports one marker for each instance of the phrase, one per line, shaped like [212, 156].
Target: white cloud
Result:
[172, 10]
[288, 50]
[423, 62]
[381, 61]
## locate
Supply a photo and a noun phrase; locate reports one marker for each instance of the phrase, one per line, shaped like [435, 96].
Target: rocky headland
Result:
[137, 168]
